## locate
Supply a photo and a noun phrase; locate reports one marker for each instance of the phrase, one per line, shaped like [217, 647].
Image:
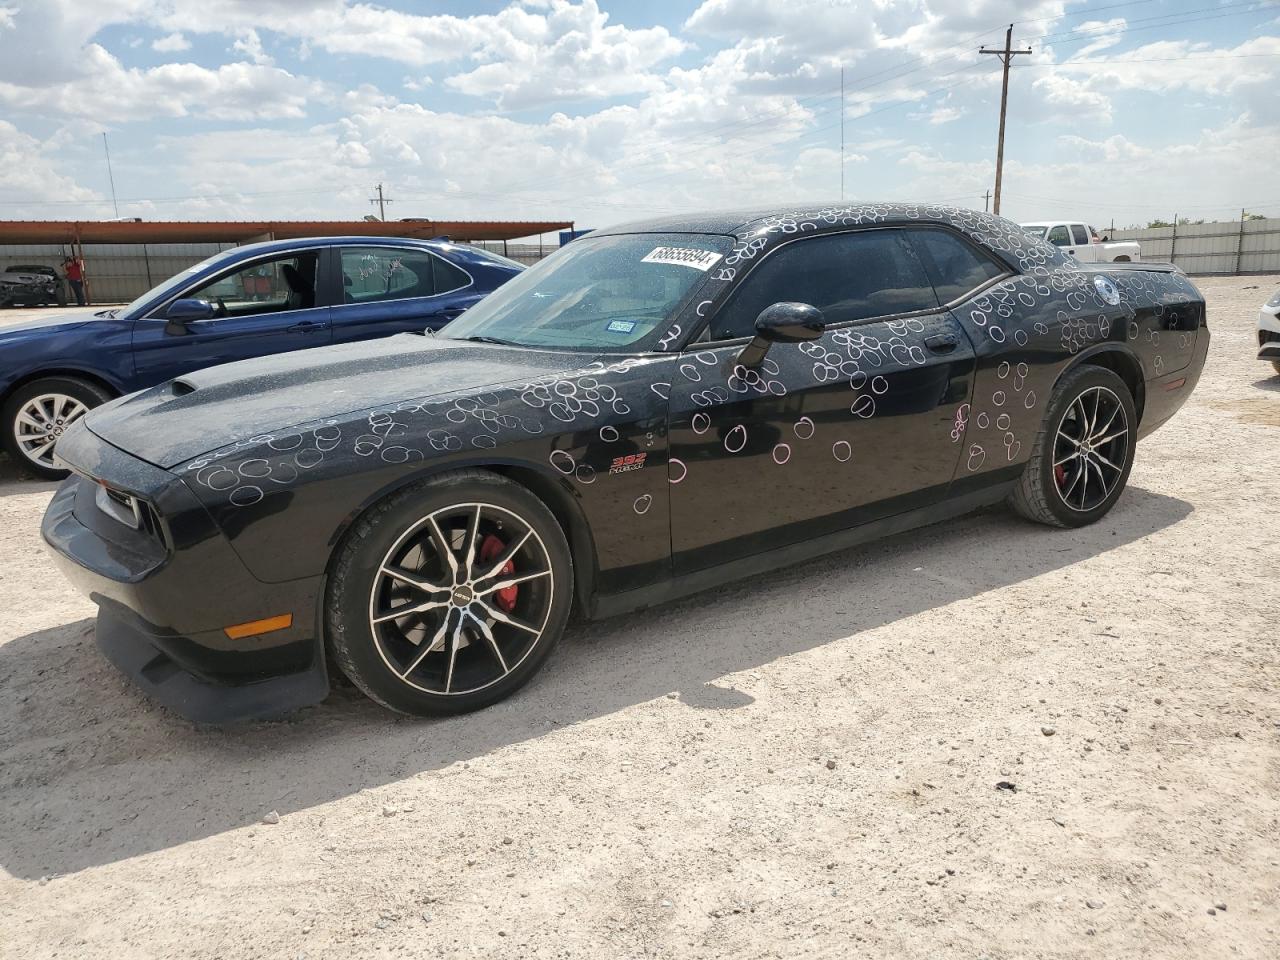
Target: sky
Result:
[599, 112]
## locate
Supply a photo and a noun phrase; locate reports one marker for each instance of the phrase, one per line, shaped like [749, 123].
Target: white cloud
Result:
[234, 91]
[570, 53]
[171, 43]
[250, 44]
[1067, 94]
[28, 171]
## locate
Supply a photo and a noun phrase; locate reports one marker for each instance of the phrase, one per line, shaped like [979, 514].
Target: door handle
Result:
[305, 326]
[942, 342]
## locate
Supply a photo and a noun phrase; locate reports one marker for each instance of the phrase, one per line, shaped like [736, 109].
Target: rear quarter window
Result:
[954, 265]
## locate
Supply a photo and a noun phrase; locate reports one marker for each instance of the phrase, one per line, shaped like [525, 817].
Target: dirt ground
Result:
[802, 766]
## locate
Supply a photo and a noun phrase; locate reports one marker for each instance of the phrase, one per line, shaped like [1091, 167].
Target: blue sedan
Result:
[252, 301]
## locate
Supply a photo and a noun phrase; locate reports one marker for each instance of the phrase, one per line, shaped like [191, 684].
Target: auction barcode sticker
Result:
[683, 256]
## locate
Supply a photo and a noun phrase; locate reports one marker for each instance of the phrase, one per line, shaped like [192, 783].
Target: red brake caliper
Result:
[490, 549]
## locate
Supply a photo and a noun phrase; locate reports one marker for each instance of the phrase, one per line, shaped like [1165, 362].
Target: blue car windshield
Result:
[178, 280]
[604, 293]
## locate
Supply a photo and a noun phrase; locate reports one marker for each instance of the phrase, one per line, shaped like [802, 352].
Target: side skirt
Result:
[611, 605]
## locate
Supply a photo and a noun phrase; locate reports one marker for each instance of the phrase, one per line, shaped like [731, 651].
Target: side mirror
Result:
[782, 323]
[182, 312]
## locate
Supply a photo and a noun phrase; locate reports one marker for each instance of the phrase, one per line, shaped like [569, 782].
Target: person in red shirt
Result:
[74, 268]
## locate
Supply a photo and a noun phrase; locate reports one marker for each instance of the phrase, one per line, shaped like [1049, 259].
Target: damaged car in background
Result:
[28, 285]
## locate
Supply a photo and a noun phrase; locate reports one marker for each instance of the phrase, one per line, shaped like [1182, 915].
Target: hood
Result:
[66, 321]
[198, 412]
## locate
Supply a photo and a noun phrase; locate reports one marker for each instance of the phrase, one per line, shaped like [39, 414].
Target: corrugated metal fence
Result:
[1229, 247]
[117, 272]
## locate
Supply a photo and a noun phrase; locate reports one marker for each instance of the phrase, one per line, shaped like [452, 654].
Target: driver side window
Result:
[266, 286]
[848, 276]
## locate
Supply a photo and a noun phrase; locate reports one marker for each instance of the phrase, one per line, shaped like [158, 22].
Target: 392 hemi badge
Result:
[632, 461]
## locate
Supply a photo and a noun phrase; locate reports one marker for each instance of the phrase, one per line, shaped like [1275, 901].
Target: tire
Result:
[1057, 488]
[52, 395]
[474, 645]
[1275, 365]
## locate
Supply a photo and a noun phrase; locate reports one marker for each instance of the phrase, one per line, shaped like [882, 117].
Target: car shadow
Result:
[1271, 384]
[94, 773]
[15, 480]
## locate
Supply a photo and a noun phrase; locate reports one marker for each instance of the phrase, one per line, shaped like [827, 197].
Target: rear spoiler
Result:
[1147, 266]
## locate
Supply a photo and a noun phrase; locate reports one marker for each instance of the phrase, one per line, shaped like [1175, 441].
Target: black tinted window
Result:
[954, 266]
[449, 277]
[1078, 234]
[849, 276]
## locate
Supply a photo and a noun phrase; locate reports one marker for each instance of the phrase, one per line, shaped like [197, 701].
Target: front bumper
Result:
[166, 592]
[1269, 333]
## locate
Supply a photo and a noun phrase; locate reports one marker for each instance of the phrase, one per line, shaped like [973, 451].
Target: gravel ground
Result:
[809, 765]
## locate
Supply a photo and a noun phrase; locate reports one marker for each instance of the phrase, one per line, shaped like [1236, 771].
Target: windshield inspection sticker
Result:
[683, 256]
[621, 326]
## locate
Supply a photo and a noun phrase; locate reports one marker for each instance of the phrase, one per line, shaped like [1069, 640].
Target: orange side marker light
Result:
[255, 627]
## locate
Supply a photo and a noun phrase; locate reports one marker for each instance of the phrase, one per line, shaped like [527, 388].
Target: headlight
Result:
[1275, 300]
[119, 506]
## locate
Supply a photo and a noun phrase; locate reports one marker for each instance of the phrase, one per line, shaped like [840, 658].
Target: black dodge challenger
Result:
[653, 410]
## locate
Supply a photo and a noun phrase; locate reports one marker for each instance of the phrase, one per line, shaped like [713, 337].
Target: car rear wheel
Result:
[449, 595]
[38, 413]
[1081, 458]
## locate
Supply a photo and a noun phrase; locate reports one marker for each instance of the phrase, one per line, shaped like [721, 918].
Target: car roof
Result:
[819, 216]
[270, 246]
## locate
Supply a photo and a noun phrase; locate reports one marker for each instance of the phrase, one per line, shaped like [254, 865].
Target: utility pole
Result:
[842, 132]
[1006, 57]
[381, 201]
[986, 202]
[110, 176]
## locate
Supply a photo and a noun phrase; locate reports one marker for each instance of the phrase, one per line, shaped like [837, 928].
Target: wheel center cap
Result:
[463, 595]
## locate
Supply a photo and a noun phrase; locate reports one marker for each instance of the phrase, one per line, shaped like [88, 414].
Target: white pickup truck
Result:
[1084, 243]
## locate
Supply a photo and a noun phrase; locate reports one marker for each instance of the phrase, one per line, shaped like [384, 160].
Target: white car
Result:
[1084, 242]
[1269, 331]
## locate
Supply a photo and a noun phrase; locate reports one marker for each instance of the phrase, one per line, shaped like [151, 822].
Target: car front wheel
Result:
[449, 595]
[1081, 458]
[38, 413]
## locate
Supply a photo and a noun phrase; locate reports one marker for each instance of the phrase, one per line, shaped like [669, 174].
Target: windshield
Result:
[1035, 231]
[598, 293]
[169, 286]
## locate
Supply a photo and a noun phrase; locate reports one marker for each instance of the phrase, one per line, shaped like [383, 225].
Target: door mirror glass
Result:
[188, 309]
[785, 322]
[790, 322]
